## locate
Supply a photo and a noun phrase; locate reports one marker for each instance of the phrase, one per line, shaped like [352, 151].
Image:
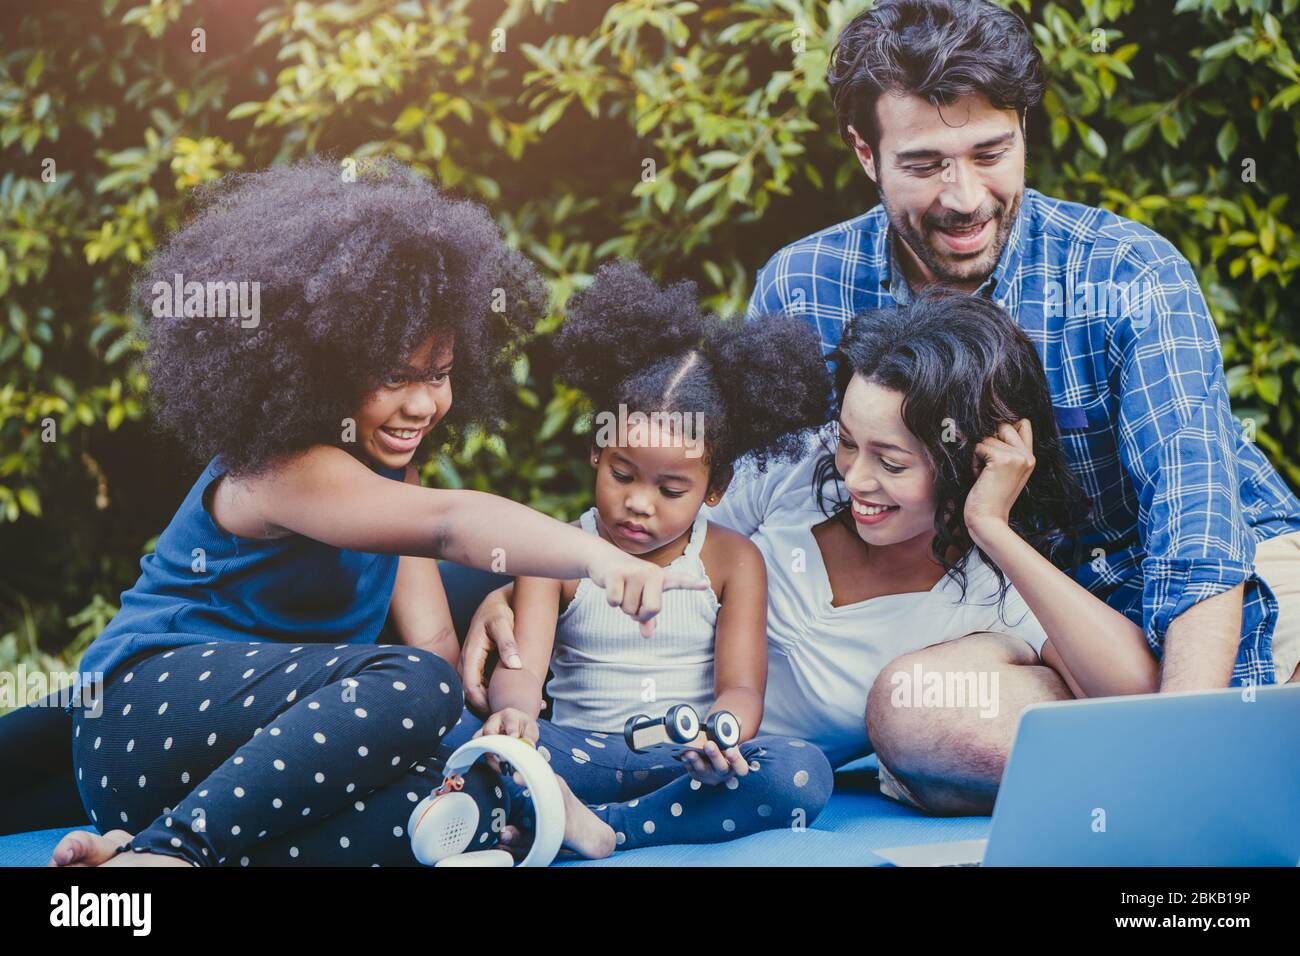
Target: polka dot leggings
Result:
[269, 754]
[649, 799]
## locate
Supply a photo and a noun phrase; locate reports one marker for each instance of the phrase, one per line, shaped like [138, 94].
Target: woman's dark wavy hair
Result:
[353, 276]
[761, 383]
[963, 368]
[939, 50]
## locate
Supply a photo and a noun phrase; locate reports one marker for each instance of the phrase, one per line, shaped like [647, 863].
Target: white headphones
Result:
[443, 823]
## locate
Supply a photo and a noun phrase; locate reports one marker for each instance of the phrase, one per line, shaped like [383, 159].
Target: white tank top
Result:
[605, 671]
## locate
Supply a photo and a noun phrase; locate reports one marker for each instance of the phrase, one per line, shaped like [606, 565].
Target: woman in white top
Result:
[826, 644]
[900, 530]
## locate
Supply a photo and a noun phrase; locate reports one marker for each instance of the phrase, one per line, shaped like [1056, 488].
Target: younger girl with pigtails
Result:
[679, 397]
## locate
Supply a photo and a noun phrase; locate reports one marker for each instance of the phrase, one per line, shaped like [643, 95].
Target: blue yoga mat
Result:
[856, 822]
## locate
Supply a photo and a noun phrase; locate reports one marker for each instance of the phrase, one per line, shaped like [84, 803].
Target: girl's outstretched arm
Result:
[326, 494]
[1096, 650]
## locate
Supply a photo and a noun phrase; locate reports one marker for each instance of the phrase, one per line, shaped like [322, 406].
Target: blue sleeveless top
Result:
[203, 584]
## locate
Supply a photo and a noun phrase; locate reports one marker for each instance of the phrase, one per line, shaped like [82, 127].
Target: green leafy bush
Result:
[698, 138]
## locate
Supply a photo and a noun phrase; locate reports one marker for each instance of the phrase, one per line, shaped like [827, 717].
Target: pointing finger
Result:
[674, 580]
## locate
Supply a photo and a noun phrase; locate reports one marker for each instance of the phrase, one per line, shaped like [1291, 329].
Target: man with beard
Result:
[1192, 533]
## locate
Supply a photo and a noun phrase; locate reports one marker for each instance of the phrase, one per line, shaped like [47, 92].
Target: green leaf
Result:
[1269, 388]
[1169, 129]
[665, 194]
[244, 109]
[408, 119]
[34, 68]
[650, 120]
[1136, 136]
[1226, 141]
[1267, 239]
[741, 178]
[719, 158]
[435, 140]
[1060, 131]
[116, 180]
[704, 192]
[1286, 98]
[1225, 47]
[551, 115]
[30, 501]
[1092, 140]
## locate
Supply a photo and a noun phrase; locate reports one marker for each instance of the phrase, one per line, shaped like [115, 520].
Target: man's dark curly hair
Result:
[963, 367]
[760, 383]
[938, 50]
[354, 275]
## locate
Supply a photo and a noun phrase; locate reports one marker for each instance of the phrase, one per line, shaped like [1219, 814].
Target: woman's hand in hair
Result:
[1097, 650]
[1003, 463]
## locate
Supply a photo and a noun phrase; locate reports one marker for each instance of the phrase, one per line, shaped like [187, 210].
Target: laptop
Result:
[1197, 778]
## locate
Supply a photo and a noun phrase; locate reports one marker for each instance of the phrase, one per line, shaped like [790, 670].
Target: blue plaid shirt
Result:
[1180, 494]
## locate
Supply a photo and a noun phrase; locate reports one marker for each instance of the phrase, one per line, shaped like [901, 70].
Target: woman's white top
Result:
[605, 671]
[822, 660]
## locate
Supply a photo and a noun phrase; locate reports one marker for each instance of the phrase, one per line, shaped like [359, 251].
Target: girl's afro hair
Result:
[354, 274]
[760, 382]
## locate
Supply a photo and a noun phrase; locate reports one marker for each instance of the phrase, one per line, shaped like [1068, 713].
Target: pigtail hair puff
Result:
[619, 325]
[775, 382]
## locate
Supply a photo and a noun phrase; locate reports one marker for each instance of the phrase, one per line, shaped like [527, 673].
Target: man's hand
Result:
[493, 625]
[713, 765]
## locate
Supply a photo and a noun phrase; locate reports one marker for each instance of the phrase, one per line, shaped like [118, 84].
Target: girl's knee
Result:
[438, 670]
[796, 777]
[429, 683]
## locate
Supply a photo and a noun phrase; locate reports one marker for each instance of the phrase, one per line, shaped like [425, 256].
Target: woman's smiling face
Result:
[415, 396]
[885, 468]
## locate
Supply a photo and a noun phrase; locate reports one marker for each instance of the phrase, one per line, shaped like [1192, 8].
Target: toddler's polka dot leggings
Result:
[271, 754]
[649, 799]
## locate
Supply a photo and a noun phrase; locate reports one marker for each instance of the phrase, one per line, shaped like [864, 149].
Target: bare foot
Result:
[584, 832]
[83, 848]
[145, 859]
